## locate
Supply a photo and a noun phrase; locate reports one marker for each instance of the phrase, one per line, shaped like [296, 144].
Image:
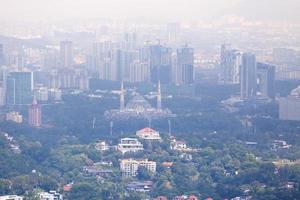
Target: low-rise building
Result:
[11, 197]
[129, 167]
[130, 145]
[15, 117]
[280, 144]
[102, 146]
[51, 195]
[140, 186]
[97, 171]
[178, 145]
[148, 134]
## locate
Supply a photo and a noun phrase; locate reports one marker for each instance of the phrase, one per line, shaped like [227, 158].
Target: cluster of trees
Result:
[223, 166]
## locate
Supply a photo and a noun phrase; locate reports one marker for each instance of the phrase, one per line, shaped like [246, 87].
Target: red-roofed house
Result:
[148, 134]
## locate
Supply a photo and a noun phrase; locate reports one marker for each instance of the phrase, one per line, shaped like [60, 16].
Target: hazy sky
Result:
[168, 10]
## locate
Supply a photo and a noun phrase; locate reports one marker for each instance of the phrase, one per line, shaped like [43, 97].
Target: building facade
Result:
[35, 114]
[19, 87]
[66, 54]
[248, 76]
[129, 167]
[130, 145]
[148, 134]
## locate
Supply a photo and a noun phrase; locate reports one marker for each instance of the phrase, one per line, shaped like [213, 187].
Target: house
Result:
[178, 145]
[140, 186]
[11, 197]
[280, 144]
[101, 146]
[130, 145]
[167, 164]
[148, 134]
[97, 171]
[68, 187]
[51, 195]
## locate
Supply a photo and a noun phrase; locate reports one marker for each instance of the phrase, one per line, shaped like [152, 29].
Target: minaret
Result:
[122, 101]
[158, 97]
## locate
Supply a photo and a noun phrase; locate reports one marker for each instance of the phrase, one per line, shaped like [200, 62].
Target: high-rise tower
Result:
[35, 114]
[66, 54]
[122, 101]
[158, 97]
[248, 76]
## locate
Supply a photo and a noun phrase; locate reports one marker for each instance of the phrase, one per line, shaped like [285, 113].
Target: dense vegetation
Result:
[224, 165]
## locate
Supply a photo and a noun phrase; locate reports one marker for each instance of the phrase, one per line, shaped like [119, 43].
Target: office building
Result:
[230, 65]
[184, 67]
[129, 41]
[35, 114]
[2, 56]
[69, 79]
[66, 54]
[248, 76]
[160, 64]
[289, 107]
[3, 79]
[124, 59]
[139, 71]
[173, 31]
[19, 87]
[129, 167]
[104, 60]
[266, 80]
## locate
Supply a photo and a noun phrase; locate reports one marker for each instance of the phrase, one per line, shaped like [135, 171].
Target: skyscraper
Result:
[35, 114]
[139, 71]
[230, 65]
[124, 58]
[160, 64]
[248, 76]
[104, 57]
[266, 80]
[184, 67]
[122, 98]
[19, 87]
[158, 97]
[2, 57]
[66, 54]
[3, 79]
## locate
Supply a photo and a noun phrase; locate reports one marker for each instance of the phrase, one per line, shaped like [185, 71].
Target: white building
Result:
[41, 94]
[148, 134]
[15, 117]
[130, 145]
[101, 146]
[129, 167]
[11, 197]
[178, 145]
[52, 195]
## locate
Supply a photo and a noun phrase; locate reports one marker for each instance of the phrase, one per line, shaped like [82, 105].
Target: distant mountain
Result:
[267, 10]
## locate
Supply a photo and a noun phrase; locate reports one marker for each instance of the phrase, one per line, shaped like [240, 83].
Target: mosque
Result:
[138, 107]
